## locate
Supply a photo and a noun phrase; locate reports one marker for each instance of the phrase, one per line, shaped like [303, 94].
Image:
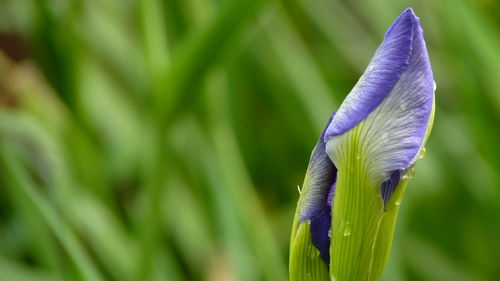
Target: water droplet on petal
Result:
[408, 173]
[411, 172]
[422, 154]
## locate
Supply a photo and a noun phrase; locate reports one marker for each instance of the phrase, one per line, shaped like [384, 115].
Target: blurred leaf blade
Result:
[64, 234]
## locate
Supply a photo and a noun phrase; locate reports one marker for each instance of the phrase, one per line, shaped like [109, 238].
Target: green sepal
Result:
[362, 225]
[305, 262]
[384, 237]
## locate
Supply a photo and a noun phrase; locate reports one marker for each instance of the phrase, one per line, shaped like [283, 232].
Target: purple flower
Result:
[394, 98]
[373, 140]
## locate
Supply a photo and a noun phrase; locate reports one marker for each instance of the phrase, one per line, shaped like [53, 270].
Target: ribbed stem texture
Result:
[362, 226]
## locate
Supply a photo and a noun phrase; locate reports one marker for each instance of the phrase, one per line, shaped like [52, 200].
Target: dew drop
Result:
[330, 233]
[397, 203]
[408, 173]
[411, 172]
[358, 156]
[422, 154]
[346, 228]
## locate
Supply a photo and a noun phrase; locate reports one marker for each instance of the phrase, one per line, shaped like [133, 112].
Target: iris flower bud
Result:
[358, 171]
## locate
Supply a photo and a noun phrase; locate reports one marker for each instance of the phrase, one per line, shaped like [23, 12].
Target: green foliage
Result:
[164, 140]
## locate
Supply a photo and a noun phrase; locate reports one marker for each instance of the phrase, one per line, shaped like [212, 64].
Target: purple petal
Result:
[320, 226]
[331, 194]
[315, 203]
[320, 176]
[389, 186]
[394, 99]
[384, 70]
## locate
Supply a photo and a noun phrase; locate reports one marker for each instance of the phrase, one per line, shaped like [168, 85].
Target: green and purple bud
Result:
[358, 171]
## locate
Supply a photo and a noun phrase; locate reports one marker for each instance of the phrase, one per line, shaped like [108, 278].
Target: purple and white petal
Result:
[383, 72]
[320, 177]
[391, 104]
[315, 203]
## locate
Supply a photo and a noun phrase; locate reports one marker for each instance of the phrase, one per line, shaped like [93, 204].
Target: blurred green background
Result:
[164, 140]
